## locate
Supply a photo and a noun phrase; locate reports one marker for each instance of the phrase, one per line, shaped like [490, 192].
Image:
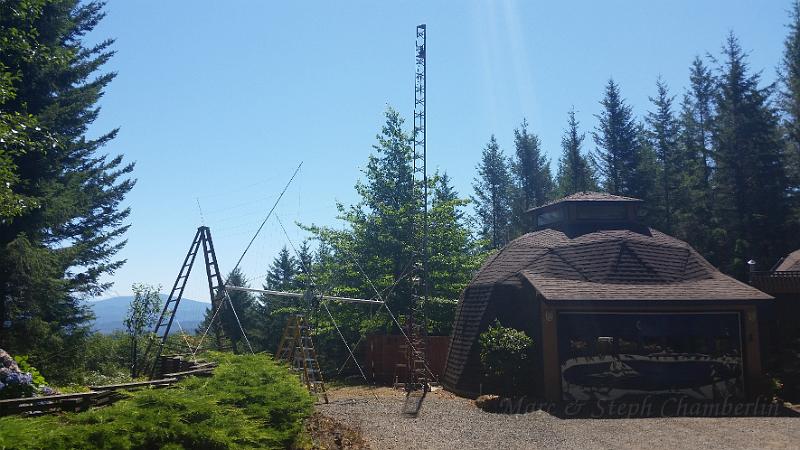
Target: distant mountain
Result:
[110, 314]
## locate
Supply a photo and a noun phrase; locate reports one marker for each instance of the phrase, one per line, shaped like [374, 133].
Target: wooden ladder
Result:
[297, 348]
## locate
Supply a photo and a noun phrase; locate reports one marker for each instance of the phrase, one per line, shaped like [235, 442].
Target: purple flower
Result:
[2, 385]
[47, 390]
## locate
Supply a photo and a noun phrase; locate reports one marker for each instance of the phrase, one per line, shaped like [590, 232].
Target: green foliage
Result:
[789, 95]
[493, 196]
[376, 248]
[61, 246]
[619, 149]
[141, 316]
[750, 182]
[24, 366]
[574, 169]
[533, 181]
[663, 133]
[506, 357]
[250, 402]
[244, 312]
[105, 359]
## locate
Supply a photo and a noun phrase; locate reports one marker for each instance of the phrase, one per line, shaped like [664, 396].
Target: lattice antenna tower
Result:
[416, 323]
[420, 148]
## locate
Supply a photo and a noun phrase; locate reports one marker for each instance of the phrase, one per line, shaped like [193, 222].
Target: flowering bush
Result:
[14, 382]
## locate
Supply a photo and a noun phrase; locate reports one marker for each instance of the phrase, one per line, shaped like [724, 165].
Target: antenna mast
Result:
[416, 320]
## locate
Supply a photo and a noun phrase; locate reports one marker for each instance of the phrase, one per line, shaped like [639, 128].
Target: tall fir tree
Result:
[382, 229]
[619, 151]
[283, 272]
[750, 183]
[664, 133]
[575, 172]
[377, 248]
[493, 191]
[789, 95]
[532, 177]
[59, 252]
[451, 243]
[698, 225]
[238, 314]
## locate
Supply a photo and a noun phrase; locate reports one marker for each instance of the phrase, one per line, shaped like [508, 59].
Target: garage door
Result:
[619, 356]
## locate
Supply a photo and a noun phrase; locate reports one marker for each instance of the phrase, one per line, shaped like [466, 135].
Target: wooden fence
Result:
[386, 361]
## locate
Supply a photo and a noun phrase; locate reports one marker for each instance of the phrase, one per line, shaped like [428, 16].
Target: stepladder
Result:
[296, 348]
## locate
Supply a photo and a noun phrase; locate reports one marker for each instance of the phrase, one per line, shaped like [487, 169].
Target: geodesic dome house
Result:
[615, 309]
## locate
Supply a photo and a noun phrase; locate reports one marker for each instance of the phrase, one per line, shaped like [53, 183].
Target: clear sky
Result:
[219, 101]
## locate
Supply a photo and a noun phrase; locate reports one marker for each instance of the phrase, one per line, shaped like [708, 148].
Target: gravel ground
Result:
[449, 422]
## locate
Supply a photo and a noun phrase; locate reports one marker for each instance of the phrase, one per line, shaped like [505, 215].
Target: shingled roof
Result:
[791, 263]
[612, 265]
[589, 196]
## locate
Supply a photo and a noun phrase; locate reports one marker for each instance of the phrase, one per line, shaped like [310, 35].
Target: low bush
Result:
[250, 402]
[506, 358]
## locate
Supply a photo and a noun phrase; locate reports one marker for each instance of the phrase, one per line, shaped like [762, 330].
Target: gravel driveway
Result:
[450, 422]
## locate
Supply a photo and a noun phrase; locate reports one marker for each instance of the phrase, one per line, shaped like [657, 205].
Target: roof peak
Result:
[589, 196]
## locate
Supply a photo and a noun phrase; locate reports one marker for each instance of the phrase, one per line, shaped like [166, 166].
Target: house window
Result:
[601, 212]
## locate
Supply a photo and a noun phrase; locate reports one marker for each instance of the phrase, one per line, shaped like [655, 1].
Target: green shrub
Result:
[506, 358]
[250, 402]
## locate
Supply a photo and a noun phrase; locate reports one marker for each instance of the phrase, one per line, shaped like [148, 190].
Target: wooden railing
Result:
[776, 282]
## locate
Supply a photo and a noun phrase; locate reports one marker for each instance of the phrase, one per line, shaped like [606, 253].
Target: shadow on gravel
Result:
[646, 407]
[413, 402]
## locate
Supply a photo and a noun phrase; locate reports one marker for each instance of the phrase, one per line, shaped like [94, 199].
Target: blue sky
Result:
[219, 101]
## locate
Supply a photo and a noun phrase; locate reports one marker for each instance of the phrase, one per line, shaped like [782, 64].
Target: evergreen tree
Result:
[493, 191]
[789, 75]
[243, 311]
[55, 254]
[698, 225]
[532, 178]
[379, 243]
[305, 262]
[750, 182]
[452, 253]
[619, 150]
[664, 138]
[282, 272]
[382, 230]
[574, 170]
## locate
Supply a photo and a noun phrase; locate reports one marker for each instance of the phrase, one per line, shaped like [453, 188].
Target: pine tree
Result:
[452, 251]
[493, 190]
[698, 224]
[283, 272]
[664, 138]
[789, 75]
[750, 183]
[574, 169]
[532, 178]
[619, 150]
[57, 253]
[237, 316]
[379, 242]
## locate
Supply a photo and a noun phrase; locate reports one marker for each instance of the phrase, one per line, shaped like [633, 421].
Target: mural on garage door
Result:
[616, 356]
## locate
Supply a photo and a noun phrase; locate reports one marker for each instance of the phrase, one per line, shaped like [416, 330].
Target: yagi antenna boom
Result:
[299, 295]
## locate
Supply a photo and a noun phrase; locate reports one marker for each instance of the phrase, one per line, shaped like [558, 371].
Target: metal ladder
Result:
[297, 348]
[160, 332]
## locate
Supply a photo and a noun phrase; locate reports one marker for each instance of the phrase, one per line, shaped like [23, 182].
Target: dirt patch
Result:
[328, 434]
